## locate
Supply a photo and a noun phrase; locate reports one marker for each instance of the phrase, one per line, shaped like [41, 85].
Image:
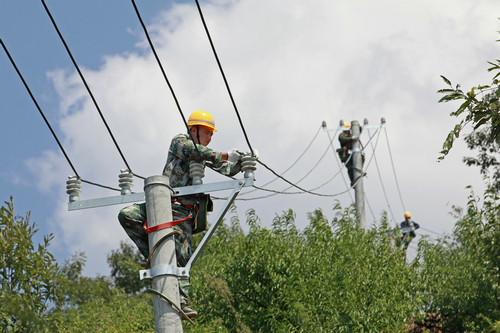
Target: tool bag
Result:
[205, 205]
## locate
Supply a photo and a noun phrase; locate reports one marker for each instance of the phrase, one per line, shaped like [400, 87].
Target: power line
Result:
[314, 138]
[223, 76]
[47, 122]
[87, 87]
[164, 74]
[394, 170]
[380, 177]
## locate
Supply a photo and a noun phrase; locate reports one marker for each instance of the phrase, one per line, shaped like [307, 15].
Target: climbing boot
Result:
[190, 312]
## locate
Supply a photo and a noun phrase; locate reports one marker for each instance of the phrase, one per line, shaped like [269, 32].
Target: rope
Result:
[183, 314]
[148, 261]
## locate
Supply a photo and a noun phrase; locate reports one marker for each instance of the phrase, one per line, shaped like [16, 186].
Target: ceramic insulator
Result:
[197, 172]
[125, 181]
[74, 188]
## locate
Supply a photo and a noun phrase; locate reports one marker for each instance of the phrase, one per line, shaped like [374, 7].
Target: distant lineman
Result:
[408, 228]
[346, 139]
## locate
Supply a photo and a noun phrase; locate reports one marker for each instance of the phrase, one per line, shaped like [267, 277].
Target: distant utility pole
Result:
[357, 163]
[159, 210]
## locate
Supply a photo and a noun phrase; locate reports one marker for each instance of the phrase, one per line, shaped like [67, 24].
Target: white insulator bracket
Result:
[197, 172]
[126, 181]
[248, 166]
[74, 188]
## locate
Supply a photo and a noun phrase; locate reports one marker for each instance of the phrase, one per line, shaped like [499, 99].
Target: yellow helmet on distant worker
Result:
[202, 118]
[346, 126]
[407, 214]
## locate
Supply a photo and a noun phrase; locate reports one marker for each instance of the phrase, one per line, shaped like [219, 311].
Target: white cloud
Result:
[289, 67]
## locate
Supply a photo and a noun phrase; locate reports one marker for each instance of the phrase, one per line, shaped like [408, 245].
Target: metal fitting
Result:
[74, 188]
[197, 172]
[125, 181]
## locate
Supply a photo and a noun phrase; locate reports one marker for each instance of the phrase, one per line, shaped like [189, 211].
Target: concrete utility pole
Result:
[159, 210]
[357, 163]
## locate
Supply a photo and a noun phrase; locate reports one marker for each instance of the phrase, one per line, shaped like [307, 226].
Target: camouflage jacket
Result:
[345, 140]
[182, 151]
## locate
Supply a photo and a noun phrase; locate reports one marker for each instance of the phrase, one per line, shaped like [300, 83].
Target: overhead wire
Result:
[394, 170]
[153, 49]
[47, 122]
[380, 177]
[223, 76]
[88, 89]
[307, 148]
[294, 185]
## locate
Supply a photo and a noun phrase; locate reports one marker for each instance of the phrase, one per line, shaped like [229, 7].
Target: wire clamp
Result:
[197, 172]
[125, 181]
[74, 188]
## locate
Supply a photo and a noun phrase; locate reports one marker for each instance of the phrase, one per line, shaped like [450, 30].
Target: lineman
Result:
[346, 140]
[184, 209]
[408, 228]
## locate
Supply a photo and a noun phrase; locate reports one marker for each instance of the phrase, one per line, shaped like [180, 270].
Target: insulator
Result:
[197, 172]
[382, 121]
[323, 124]
[248, 165]
[74, 188]
[365, 121]
[126, 181]
[341, 123]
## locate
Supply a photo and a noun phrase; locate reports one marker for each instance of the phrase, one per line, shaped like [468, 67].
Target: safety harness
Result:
[201, 208]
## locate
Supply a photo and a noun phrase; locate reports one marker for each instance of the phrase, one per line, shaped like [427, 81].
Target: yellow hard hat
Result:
[202, 118]
[407, 214]
[346, 124]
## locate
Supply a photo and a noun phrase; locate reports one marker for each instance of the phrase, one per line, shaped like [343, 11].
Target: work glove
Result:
[233, 155]
[255, 153]
[354, 138]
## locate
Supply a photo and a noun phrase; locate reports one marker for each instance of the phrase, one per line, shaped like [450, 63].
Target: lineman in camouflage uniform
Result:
[345, 139]
[181, 152]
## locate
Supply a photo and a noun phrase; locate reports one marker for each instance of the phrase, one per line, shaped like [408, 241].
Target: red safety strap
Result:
[163, 225]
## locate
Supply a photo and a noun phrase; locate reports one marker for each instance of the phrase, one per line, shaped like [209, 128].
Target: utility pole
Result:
[357, 163]
[164, 272]
[159, 210]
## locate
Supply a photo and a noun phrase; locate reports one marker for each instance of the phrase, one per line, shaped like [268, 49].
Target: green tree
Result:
[330, 277]
[125, 266]
[79, 289]
[29, 276]
[480, 108]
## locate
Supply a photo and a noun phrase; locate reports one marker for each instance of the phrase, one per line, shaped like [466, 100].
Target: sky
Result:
[290, 66]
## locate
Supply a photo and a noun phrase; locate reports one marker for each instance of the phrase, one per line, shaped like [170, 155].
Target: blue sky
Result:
[289, 67]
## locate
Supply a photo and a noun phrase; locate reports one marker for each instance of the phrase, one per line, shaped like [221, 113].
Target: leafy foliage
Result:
[28, 276]
[125, 266]
[481, 106]
[327, 278]
[119, 314]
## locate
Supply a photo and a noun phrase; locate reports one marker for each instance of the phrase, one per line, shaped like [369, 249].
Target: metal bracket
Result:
[183, 272]
[148, 274]
[178, 191]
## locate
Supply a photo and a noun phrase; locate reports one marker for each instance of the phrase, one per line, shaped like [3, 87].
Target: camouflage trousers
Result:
[132, 220]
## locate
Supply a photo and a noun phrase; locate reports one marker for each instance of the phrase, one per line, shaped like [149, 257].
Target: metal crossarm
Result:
[136, 197]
